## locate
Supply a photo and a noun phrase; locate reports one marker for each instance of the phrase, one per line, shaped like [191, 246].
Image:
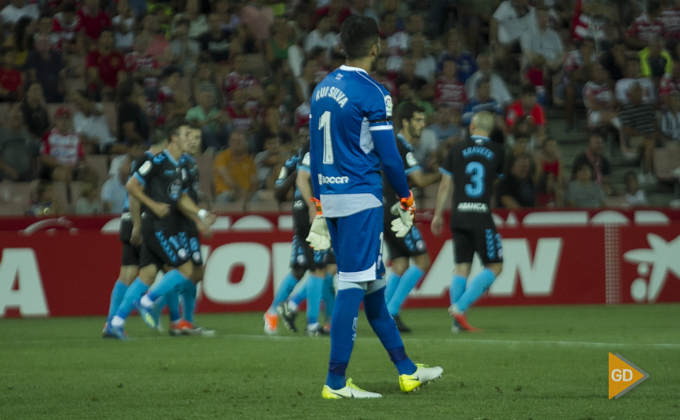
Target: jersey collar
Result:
[405, 142]
[483, 138]
[350, 68]
[169, 156]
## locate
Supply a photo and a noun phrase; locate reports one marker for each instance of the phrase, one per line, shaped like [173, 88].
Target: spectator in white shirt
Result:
[543, 40]
[499, 90]
[18, 9]
[322, 36]
[113, 190]
[90, 122]
[670, 120]
[632, 74]
[507, 24]
[426, 65]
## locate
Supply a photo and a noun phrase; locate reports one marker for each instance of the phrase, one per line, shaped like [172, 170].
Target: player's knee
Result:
[332, 269]
[423, 262]
[496, 268]
[148, 274]
[298, 273]
[197, 273]
[186, 269]
[319, 272]
[462, 269]
[399, 266]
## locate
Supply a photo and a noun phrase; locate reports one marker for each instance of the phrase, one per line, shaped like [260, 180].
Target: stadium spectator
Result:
[18, 152]
[242, 117]
[89, 202]
[534, 75]
[46, 67]
[268, 163]
[21, 40]
[577, 66]
[549, 162]
[614, 60]
[407, 74]
[133, 124]
[336, 11]
[134, 151]
[158, 45]
[633, 77]
[655, 61]
[239, 78]
[322, 37]
[10, 78]
[520, 147]
[43, 203]
[105, 66]
[669, 83]
[408, 93]
[516, 189]
[360, 8]
[61, 150]
[93, 20]
[198, 21]
[18, 9]
[426, 66]
[646, 26]
[600, 168]
[91, 124]
[211, 121]
[34, 110]
[66, 29]
[544, 41]
[113, 192]
[527, 107]
[447, 89]
[465, 63]
[483, 102]
[499, 90]
[235, 172]
[143, 66]
[123, 24]
[228, 21]
[588, 20]
[635, 196]
[445, 129]
[305, 84]
[549, 194]
[271, 127]
[600, 101]
[258, 19]
[282, 40]
[582, 192]
[397, 40]
[185, 51]
[509, 21]
[670, 17]
[640, 126]
[215, 42]
[670, 120]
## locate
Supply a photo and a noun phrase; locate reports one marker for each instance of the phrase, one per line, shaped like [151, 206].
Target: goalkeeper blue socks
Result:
[392, 284]
[343, 334]
[285, 288]
[189, 295]
[407, 282]
[328, 296]
[314, 288]
[171, 280]
[476, 289]
[133, 293]
[117, 295]
[457, 288]
[386, 330]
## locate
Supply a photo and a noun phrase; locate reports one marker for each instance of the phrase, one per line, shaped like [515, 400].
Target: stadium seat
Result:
[11, 209]
[665, 161]
[100, 163]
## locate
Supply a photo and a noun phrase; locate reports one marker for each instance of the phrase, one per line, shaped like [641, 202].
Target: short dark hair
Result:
[528, 89]
[407, 109]
[173, 126]
[358, 35]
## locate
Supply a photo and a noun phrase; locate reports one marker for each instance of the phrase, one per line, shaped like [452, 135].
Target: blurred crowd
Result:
[83, 84]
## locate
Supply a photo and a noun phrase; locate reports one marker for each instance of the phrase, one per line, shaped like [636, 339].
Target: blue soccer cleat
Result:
[114, 332]
[149, 316]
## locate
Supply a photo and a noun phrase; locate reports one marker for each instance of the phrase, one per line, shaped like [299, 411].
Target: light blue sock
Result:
[407, 282]
[343, 334]
[476, 289]
[328, 296]
[299, 295]
[173, 279]
[457, 287]
[386, 330]
[314, 290]
[132, 295]
[392, 283]
[172, 299]
[117, 295]
[189, 295]
[287, 286]
[158, 306]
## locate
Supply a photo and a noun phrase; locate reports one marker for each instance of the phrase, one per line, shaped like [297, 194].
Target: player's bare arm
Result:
[304, 183]
[136, 190]
[201, 216]
[445, 191]
[422, 180]
[136, 215]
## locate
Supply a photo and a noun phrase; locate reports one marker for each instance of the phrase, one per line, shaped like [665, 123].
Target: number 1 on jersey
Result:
[325, 125]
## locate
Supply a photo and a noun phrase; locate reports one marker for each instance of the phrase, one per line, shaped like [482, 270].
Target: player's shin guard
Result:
[117, 295]
[386, 330]
[343, 334]
[407, 282]
[457, 288]
[172, 299]
[314, 288]
[392, 284]
[328, 295]
[173, 279]
[476, 289]
[285, 288]
[133, 293]
[189, 295]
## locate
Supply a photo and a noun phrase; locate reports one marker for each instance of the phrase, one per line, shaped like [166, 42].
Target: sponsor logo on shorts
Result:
[473, 207]
[333, 179]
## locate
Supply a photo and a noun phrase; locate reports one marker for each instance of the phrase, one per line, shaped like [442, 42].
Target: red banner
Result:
[63, 268]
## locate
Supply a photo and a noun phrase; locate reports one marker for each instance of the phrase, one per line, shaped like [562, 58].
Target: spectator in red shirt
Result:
[143, 66]
[10, 77]
[336, 10]
[577, 66]
[61, 150]
[242, 118]
[527, 107]
[670, 82]
[447, 89]
[645, 27]
[65, 27]
[105, 66]
[92, 20]
[239, 78]
[599, 100]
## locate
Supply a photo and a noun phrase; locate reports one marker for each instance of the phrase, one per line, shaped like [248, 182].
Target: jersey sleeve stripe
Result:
[140, 178]
[445, 172]
[414, 168]
[381, 127]
[303, 168]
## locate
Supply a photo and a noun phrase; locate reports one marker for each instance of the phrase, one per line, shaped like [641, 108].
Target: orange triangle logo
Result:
[623, 375]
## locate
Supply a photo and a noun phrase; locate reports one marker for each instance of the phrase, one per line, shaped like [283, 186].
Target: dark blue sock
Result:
[171, 280]
[457, 288]
[314, 288]
[343, 334]
[407, 282]
[172, 299]
[285, 288]
[328, 296]
[133, 294]
[117, 295]
[392, 283]
[189, 295]
[386, 330]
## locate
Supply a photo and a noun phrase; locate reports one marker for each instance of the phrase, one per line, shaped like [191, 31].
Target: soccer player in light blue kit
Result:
[351, 135]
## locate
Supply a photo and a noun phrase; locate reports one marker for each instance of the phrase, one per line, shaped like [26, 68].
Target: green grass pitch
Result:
[529, 363]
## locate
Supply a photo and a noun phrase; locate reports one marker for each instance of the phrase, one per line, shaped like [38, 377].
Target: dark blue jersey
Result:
[164, 179]
[189, 163]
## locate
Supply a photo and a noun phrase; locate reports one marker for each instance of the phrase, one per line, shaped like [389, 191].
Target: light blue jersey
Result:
[348, 109]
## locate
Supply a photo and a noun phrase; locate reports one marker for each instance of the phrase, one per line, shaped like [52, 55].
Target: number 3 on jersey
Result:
[476, 171]
[325, 125]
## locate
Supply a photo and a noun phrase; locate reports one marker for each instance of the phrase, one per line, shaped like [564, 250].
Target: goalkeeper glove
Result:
[406, 210]
[318, 237]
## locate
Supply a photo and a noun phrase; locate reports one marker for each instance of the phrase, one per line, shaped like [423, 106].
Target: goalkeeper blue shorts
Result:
[357, 242]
